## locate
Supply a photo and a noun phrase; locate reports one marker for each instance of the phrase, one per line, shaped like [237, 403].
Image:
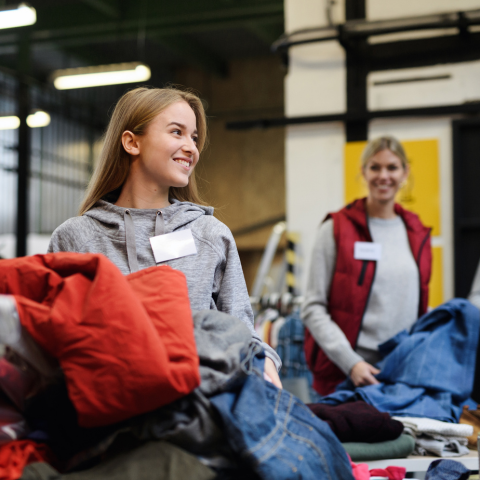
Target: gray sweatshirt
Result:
[393, 301]
[214, 275]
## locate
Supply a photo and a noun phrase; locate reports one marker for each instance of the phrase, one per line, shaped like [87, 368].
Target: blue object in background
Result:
[447, 470]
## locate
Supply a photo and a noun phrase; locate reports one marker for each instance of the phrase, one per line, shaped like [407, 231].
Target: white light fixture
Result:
[38, 119]
[17, 16]
[101, 75]
[35, 120]
[9, 123]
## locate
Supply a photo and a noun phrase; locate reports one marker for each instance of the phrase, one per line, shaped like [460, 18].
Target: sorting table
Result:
[415, 463]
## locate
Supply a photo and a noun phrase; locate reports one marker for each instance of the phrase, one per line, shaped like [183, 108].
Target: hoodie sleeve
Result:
[63, 238]
[230, 291]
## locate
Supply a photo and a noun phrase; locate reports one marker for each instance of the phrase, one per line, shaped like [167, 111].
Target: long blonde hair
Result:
[134, 112]
[384, 143]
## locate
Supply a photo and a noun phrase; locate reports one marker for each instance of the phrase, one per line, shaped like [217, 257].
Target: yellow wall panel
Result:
[436, 281]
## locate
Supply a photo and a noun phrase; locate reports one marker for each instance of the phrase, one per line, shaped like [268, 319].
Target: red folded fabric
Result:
[15, 456]
[360, 471]
[125, 344]
[393, 473]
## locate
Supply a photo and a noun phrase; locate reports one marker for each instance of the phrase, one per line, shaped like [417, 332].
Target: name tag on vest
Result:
[367, 251]
[173, 245]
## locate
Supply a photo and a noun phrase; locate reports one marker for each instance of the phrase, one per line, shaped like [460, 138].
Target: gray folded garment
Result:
[436, 444]
[441, 446]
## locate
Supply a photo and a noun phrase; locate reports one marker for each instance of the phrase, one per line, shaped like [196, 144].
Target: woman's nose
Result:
[190, 145]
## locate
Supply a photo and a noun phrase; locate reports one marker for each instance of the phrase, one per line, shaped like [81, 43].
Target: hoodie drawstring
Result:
[130, 237]
[159, 224]
[130, 241]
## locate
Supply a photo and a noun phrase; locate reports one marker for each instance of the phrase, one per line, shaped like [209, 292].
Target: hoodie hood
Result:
[175, 216]
[125, 221]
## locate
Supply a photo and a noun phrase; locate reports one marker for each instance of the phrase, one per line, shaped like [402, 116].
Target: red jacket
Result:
[125, 344]
[352, 282]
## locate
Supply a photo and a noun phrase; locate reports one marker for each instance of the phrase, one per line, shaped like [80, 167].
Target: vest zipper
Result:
[361, 278]
[362, 273]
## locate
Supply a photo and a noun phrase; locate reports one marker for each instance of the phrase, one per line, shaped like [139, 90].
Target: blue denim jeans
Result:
[276, 434]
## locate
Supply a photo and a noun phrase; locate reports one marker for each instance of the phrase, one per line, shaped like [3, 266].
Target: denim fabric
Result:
[276, 434]
[290, 350]
[427, 372]
[447, 470]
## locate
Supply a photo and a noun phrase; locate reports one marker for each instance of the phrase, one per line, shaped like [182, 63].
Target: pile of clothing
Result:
[365, 433]
[433, 437]
[114, 376]
[427, 372]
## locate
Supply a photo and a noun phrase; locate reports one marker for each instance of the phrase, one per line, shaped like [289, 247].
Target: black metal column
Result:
[356, 130]
[23, 110]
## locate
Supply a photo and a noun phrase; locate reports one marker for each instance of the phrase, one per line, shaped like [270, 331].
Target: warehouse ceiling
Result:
[205, 34]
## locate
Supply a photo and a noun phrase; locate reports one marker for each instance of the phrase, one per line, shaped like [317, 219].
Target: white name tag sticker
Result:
[173, 245]
[367, 251]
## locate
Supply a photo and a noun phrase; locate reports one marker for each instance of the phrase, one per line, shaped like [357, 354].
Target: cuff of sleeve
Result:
[273, 355]
[270, 353]
[349, 360]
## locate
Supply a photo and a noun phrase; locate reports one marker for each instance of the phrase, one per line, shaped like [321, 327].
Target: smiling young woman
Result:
[144, 187]
[369, 274]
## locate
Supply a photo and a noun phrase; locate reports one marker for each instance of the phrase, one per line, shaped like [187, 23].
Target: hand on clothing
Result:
[271, 370]
[363, 373]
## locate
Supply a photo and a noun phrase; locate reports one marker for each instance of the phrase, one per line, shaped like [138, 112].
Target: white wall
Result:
[35, 244]
[314, 180]
[316, 85]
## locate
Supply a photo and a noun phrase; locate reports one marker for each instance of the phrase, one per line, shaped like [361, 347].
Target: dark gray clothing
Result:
[147, 462]
[214, 275]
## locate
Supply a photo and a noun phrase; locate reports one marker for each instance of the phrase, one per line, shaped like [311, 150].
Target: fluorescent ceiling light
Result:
[38, 119]
[101, 75]
[9, 123]
[35, 120]
[17, 16]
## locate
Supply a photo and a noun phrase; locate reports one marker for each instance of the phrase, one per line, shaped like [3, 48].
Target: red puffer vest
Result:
[352, 283]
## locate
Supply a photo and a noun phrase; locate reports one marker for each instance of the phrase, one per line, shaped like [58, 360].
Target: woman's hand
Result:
[363, 373]
[271, 370]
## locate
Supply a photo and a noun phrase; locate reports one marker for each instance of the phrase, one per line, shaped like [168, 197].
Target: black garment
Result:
[154, 460]
[358, 422]
[52, 413]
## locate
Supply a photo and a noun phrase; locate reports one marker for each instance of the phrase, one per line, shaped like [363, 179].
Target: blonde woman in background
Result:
[143, 187]
[369, 274]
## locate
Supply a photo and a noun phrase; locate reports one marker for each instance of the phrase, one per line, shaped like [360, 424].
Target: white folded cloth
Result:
[420, 425]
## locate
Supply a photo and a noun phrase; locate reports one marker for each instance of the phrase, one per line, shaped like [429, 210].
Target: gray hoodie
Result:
[214, 275]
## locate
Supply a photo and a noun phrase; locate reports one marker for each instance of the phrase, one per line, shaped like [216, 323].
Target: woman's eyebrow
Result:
[181, 125]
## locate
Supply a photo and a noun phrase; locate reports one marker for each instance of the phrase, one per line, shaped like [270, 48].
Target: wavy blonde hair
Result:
[134, 112]
[384, 143]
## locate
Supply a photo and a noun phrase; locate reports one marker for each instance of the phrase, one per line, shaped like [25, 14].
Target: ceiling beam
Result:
[104, 7]
[193, 54]
[161, 24]
[266, 32]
